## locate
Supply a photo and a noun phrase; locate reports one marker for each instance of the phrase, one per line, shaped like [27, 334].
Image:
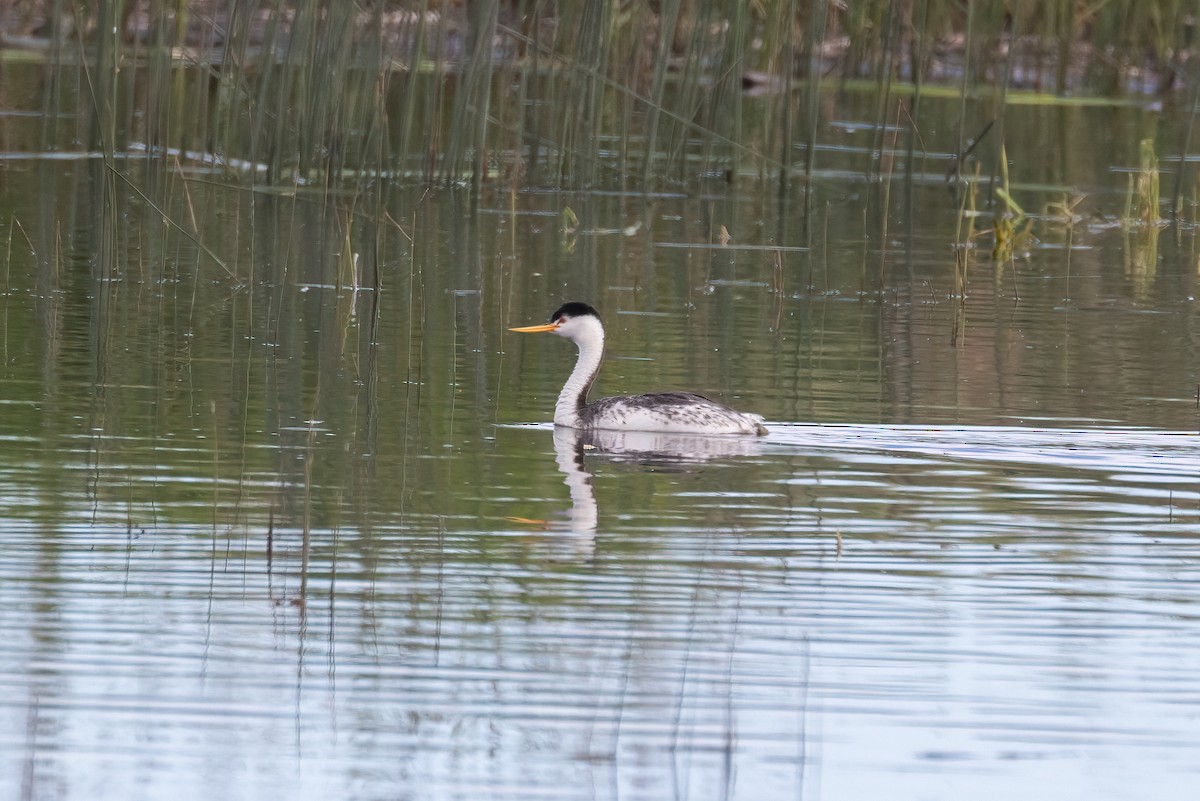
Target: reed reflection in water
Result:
[843, 610]
[257, 523]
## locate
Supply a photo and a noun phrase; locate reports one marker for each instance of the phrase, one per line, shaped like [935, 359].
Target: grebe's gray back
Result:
[678, 412]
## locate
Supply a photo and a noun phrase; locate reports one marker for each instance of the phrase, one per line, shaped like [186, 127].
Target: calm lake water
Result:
[283, 515]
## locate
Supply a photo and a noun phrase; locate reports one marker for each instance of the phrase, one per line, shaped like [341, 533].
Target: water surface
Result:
[293, 523]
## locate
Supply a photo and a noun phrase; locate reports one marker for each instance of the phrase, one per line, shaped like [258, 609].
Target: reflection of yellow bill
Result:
[536, 329]
[526, 520]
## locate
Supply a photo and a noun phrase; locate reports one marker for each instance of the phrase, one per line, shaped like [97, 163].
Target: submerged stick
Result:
[167, 219]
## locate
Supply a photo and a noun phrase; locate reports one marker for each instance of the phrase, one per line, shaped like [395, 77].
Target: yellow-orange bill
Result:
[535, 329]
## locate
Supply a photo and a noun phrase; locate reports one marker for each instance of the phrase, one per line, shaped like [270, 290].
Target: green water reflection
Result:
[272, 514]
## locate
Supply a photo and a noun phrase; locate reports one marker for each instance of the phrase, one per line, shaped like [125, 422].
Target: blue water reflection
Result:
[843, 611]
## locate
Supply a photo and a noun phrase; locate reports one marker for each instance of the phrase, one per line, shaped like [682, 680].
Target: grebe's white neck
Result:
[588, 335]
[675, 412]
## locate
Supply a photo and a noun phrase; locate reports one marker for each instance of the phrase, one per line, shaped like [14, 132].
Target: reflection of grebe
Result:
[665, 448]
[674, 412]
[650, 449]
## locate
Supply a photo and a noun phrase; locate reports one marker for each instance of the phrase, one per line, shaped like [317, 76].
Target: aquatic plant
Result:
[1143, 221]
[570, 93]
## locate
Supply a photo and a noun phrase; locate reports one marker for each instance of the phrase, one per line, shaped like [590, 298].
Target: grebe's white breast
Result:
[667, 412]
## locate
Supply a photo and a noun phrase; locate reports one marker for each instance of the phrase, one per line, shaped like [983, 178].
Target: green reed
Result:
[572, 93]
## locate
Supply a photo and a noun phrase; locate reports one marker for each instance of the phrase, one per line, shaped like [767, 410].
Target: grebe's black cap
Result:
[574, 309]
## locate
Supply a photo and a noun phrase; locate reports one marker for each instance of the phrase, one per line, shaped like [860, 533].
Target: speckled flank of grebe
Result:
[677, 412]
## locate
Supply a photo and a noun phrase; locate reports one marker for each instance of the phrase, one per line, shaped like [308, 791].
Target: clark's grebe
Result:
[678, 412]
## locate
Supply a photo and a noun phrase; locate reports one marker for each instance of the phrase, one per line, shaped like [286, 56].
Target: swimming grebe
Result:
[679, 412]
